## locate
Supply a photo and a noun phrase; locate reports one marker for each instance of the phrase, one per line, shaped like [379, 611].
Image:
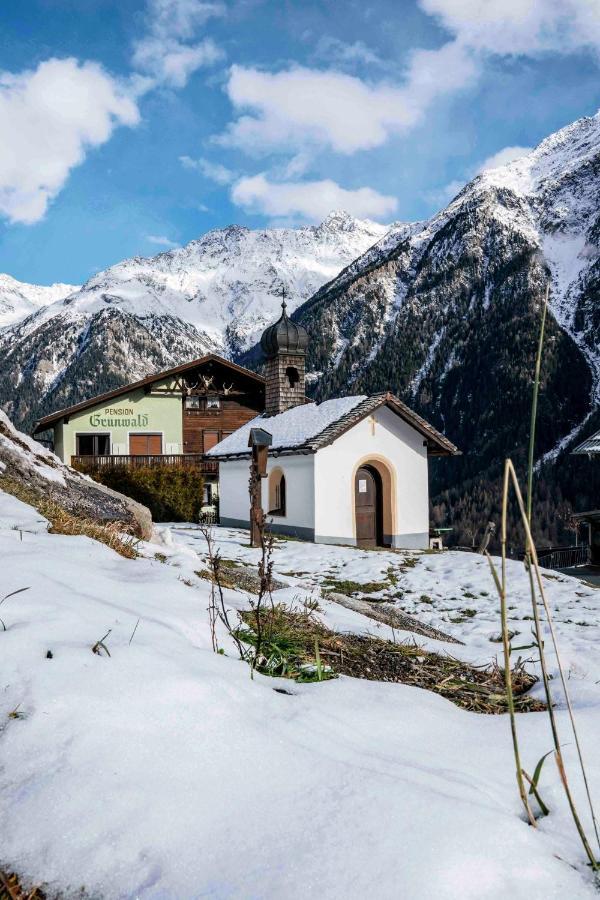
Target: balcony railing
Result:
[564, 557]
[169, 460]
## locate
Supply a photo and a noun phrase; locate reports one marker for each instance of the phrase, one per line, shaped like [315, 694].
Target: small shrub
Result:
[171, 494]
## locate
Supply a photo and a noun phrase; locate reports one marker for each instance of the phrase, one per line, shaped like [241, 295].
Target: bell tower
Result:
[284, 347]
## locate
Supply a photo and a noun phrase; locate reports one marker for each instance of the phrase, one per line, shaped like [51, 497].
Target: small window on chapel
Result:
[292, 375]
[213, 402]
[277, 500]
[192, 401]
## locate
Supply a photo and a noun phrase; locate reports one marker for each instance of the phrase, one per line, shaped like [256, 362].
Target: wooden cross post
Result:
[260, 442]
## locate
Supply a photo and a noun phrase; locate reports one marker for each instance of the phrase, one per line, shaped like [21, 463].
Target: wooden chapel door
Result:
[365, 498]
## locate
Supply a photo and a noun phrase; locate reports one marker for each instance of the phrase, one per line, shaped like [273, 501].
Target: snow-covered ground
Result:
[164, 771]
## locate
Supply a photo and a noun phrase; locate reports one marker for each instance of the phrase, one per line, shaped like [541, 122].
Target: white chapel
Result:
[353, 470]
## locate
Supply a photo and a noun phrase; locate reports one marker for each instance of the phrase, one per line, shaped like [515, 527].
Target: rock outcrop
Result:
[28, 468]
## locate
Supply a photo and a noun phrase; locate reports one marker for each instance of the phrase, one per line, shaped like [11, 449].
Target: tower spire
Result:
[284, 347]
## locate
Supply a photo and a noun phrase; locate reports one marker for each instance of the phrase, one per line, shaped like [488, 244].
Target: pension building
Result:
[172, 418]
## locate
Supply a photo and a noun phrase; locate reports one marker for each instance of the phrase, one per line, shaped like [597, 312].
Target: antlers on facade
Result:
[205, 384]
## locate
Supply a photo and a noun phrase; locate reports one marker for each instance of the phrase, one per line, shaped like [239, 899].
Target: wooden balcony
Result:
[169, 460]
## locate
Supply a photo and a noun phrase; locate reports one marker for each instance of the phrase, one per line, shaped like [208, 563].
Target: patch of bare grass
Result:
[294, 633]
[113, 534]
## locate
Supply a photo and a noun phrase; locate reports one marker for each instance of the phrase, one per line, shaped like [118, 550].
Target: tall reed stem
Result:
[501, 588]
[534, 403]
[533, 566]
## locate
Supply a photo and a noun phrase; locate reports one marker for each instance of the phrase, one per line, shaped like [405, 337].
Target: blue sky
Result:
[128, 127]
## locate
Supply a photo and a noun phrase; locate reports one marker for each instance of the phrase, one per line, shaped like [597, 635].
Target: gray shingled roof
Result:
[437, 443]
[589, 446]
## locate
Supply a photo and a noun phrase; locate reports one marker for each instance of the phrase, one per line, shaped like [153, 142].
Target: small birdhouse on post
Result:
[260, 441]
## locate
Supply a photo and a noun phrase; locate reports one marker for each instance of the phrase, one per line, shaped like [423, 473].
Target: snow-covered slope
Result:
[19, 300]
[141, 315]
[165, 771]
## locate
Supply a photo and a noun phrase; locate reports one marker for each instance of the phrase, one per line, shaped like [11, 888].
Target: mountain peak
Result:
[557, 155]
[340, 220]
[19, 299]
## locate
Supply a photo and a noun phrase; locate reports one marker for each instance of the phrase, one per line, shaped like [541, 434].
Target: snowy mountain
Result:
[19, 300]
[217, 293]
[446, 313]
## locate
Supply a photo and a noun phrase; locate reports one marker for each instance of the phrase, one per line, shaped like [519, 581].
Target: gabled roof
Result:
[50, 420]
[306, 429]
[589, 446]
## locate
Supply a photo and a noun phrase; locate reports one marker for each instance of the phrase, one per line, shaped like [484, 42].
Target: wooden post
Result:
[259, 440]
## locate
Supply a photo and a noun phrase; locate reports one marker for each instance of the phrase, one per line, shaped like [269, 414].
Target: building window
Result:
[192, 401]
[213, 402]
[145, 445]
[209, 440]
[292, 375]
[93, 445]
[207, 497]
[277, 498]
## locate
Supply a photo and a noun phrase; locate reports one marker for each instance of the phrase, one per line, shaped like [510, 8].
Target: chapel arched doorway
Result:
[368, 500]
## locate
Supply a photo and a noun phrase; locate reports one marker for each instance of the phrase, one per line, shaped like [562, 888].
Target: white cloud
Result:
[168, 53]
[181, 18]
[525, 27]
[301, 107]
[311, 200]
[295, 166]
[49, 118]
[336, 51]
[160, 240]
[171, 62]
[502, 157]
[214, 171]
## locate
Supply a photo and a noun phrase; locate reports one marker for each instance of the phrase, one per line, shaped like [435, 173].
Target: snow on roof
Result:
[291, 428]
[590, 445]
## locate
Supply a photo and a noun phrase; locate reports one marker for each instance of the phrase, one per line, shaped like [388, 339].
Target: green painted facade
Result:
[135, 412]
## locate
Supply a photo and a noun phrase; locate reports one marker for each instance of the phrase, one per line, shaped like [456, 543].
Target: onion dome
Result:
[284, 336]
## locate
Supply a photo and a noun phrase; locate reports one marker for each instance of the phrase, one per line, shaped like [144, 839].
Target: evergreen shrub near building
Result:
[171, 494]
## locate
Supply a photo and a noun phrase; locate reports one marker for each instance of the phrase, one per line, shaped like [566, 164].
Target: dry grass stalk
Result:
[534, 402]
[217, 608]
[111, 534]
[501, 588]
[12, 889]
[531, 561]
[115, 535]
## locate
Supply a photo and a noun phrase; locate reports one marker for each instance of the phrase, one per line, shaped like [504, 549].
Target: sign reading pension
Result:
[119, 418]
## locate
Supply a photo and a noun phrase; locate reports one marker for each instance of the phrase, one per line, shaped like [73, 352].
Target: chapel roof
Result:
[308, 428]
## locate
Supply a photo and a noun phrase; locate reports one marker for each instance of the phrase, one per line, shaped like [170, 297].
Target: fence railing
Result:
[209, 517]
[169, 460]
[564, 557]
